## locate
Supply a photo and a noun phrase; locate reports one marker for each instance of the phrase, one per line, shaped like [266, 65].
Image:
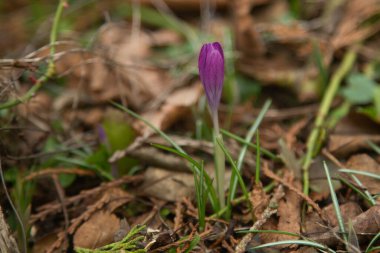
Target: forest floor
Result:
[107, 144]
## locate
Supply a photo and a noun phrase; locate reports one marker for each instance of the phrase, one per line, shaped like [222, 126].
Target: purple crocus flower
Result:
[211, 72]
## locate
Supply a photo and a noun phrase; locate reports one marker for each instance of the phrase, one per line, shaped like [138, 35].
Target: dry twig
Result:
[273, 176]
[268, 212]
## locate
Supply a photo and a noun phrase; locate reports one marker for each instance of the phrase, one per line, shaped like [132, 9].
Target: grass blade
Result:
[181, 154]
[235, 170]
[207, 180]
[335, 203]
[268, 232]
[298, 242]
[250, 144]
[374, 147]
[353, 242]
[358, 191]
[203, 177]
[316, 136]
[366, 192]
[193, 243]
[135, 115]
[363, 173]
[251, 132]
[200, 197]
[85, 165]
[372, 242]
[212, 194]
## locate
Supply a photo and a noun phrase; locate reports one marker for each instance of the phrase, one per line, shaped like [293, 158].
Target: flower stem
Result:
[219, 160]
[219, 168]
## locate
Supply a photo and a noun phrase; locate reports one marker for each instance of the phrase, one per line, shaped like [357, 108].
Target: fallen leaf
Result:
[315, 225]
[172, 185]
[177, 106]
[350, 29]
[289, 210]
[344, 145]
[363, 162]
[128, 74]
[167, 185]
[259, 200]
[365, 225]
[94, 233]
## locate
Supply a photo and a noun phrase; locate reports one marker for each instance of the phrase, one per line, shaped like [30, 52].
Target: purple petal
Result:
[211, 72]
[102, 134]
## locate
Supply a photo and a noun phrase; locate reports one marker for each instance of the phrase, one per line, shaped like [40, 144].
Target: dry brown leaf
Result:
[343, 145]
[44, 243]
[363, 162]
[167, 185]
[305, 250]
[293, 45]
[349, 30]
[177, 106]
[289, 212]
[98, 231]
[130, 49]
[259, 200]
[315, 225]
[38, 106]
[172, 185]
[88, 116]
[282, 33]
[364, 224]
[109, 200]
[267, 172]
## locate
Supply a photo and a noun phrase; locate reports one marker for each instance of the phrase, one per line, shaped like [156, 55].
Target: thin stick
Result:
[62, 201]
[51, 66]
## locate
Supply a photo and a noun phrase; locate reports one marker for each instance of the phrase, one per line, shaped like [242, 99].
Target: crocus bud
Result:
[211, 72]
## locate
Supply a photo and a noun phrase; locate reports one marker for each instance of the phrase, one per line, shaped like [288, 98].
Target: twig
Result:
[61, 198]
[117, 196]
[268, 212]
[178, 219]
[332, 158]
[316, 136]
[55, 171]
[273, 176]
[51, 66]
[49, 208]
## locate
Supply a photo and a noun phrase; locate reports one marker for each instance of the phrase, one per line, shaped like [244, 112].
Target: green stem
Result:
[219, 168]
[51, 66]
[316, 136]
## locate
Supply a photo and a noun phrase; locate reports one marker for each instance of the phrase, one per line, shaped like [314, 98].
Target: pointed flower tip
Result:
[211, 72]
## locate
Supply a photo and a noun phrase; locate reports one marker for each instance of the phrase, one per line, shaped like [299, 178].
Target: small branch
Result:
[268, 212]
[62, 201]
[51, 66]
